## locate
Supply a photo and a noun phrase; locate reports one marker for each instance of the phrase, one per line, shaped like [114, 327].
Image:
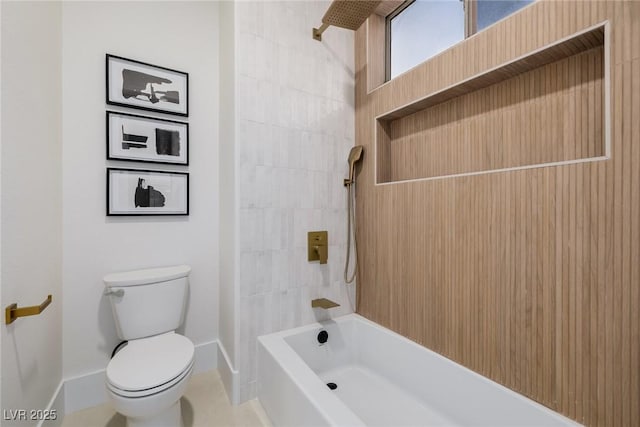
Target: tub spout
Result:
[324, 303]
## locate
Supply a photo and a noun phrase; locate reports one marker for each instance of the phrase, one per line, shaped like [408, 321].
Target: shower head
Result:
[347, 14]
[354, 156]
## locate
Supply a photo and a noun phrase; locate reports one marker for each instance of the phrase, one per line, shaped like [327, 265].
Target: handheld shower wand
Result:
[354, 156]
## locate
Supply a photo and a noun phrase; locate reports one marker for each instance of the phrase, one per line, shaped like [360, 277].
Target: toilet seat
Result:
[150, 391]
[150, 365]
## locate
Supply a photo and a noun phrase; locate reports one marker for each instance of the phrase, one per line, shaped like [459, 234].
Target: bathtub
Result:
[382, 379]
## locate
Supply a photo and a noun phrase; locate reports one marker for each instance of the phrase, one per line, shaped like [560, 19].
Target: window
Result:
[490, 11]
[420, 29]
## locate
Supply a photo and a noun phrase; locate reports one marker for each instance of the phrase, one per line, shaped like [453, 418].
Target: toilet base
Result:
[170, 417]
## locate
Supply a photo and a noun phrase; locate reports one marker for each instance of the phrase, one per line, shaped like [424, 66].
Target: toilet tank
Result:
[148, 302]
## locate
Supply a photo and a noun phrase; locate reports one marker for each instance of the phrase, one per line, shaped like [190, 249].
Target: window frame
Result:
[387, 37]
[470, 28]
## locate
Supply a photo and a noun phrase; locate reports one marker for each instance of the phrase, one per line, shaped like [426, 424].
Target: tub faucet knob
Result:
[318, 244]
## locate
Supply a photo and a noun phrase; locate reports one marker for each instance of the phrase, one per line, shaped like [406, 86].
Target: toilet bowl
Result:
[147, 377]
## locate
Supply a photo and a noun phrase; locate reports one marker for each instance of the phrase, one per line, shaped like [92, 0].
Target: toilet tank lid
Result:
[149, 275]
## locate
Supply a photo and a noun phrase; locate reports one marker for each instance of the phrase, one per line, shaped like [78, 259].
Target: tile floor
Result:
[205, 404]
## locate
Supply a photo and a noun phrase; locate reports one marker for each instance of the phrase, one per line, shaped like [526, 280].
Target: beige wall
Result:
[54, 228]
[31, 202]
[178, 35]
[294, 130]
[529, 277]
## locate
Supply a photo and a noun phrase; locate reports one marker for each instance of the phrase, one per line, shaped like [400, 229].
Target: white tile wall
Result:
[295, 129]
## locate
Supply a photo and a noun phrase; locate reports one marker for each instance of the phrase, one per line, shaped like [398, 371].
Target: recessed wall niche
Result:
[545, 108]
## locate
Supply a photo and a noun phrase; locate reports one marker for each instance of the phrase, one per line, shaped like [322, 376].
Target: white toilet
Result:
[148, 376]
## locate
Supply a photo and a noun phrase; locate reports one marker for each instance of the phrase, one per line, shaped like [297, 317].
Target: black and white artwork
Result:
[146, 192]
[146, 139]
[147, 87]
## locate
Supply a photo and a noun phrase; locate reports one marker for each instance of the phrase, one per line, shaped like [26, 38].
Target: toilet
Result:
[147, 377]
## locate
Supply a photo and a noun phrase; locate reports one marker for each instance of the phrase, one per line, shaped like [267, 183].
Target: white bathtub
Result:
[383, 379]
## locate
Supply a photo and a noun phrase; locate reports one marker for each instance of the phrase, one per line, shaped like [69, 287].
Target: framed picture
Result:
[147, 192]
[147, 87]
[146, 139]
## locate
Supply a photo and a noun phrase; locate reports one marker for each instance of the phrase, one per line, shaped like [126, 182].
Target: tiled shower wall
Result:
[295, 127]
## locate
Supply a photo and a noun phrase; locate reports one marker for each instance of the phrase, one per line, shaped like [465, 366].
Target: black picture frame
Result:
[132, 208]
[170, 131]
[132, 86]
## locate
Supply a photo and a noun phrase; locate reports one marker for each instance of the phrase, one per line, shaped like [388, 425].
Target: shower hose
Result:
[351, 225]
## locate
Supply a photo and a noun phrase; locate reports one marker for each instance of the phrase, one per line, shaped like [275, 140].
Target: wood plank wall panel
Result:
[529, 277]
[377, 35]
[526, 120]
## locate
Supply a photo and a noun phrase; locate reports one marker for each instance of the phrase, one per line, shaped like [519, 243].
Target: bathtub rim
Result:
[334, 411]
[276, 342]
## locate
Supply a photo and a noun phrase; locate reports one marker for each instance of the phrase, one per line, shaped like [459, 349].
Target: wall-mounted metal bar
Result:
[317, 32]
[12, 312]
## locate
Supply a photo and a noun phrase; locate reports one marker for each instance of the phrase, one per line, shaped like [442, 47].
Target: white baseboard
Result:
[206, 357]
[84, 391]
[89, 390]
[230, 376]
[56, 404]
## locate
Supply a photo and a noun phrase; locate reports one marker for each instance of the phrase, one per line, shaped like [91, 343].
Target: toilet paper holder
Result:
[12, 312]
